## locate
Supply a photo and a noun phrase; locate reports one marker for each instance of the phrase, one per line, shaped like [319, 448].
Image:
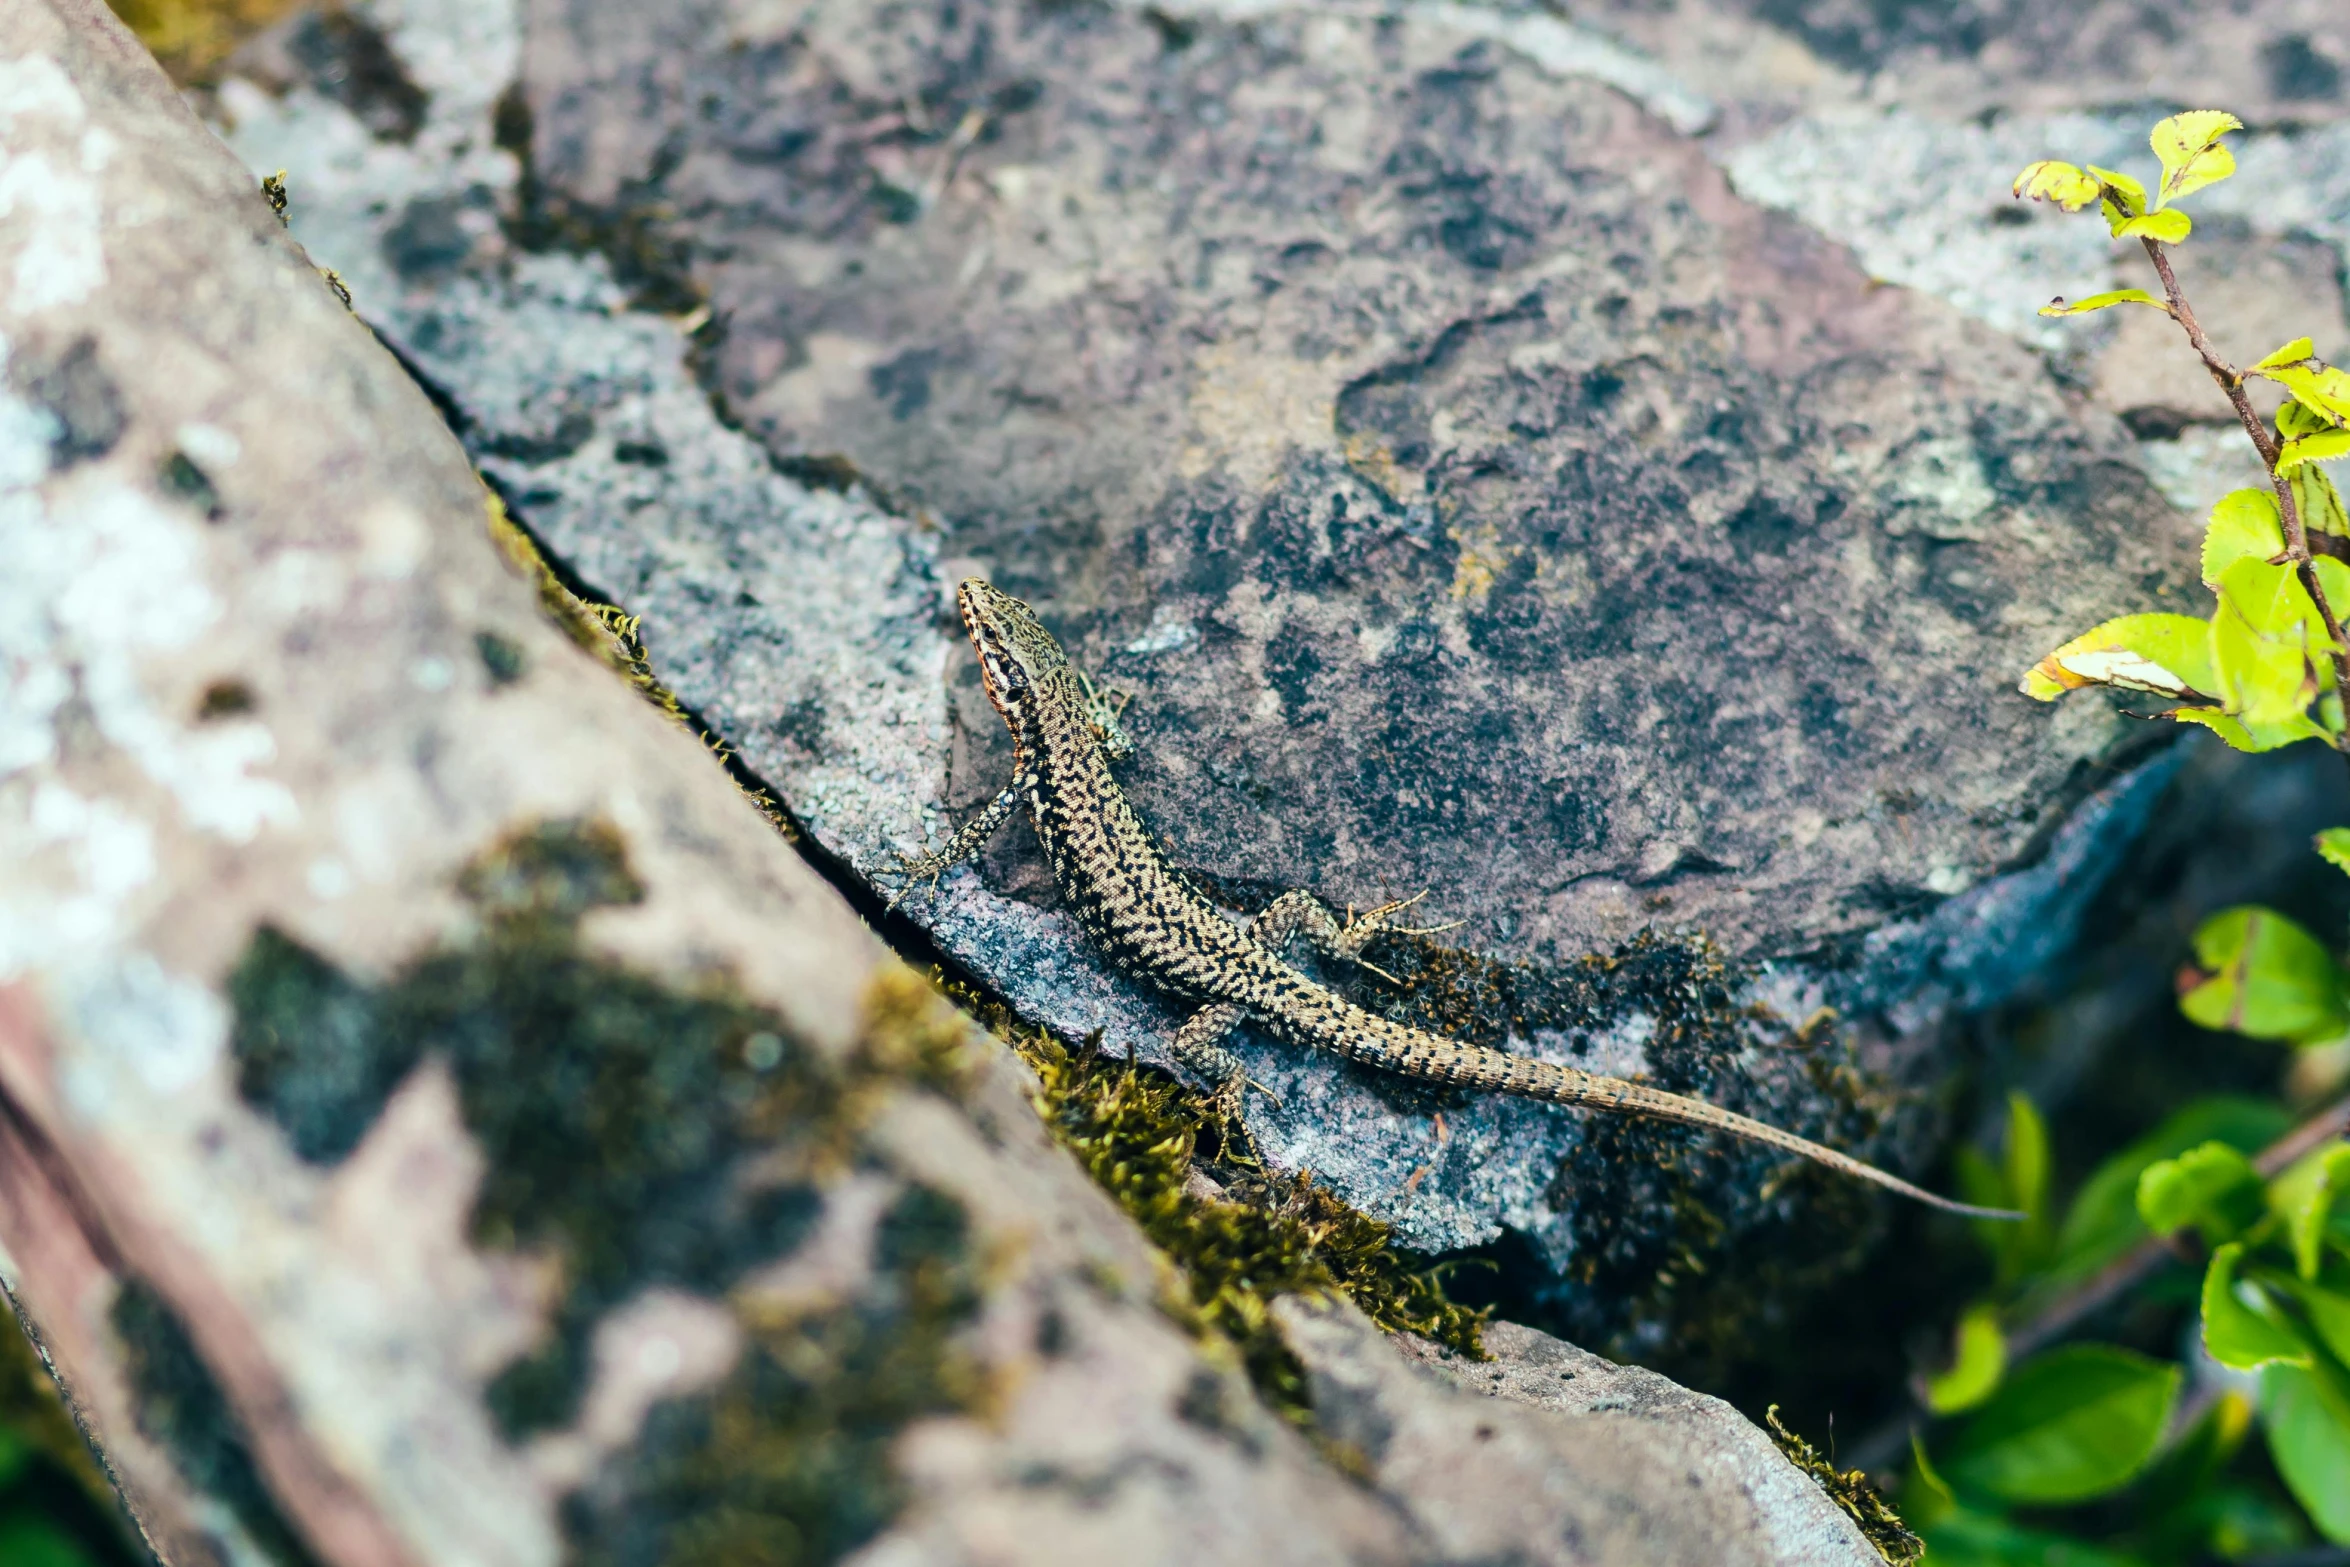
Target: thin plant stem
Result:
[2231, 381]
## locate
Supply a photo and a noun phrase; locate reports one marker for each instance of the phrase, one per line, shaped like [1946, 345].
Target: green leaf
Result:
[2166, 654]
[2196, 1456]
[1978, 1362]
[2296, 418]
[2103, 1221]
[2291, 354]
[2170, 226]
[2120, 296]
[2027, 1179]
[2074, 1423]
[2213, 1187]
[2265, 977]
[2324, 446]
[2061, 183]
[2308, 1423]
[2325, 1306]
[2188, 145]
[2333, 845]
[2308, 1194]
[2321, 389]
[2242, 1327]
[1967, 1538]
[2124, 197]
[2269, 649]
[2231, 730]
[2319, 503]
[2245, 525]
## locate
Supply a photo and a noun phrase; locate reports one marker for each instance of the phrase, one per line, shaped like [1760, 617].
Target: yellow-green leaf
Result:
[2269, 651]
[2228, 728]
[2333, 846]
[2324, 446]
[2307, 1196]
[2320, 505]
[2242, 1328]
[2307, 1417]
[2124, 197]
[2120, 296]
[2061, 183]
[2265, 976]
[2170, 226]
[1979, 1360]
[2297, 419]
[2188, 146]
[2270, 597]
[2212, 1187]
[2169, 655]
[2322, 389]
[2244, 525]
[2291, 354]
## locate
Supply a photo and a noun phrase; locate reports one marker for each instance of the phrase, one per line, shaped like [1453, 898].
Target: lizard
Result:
[1156, 926]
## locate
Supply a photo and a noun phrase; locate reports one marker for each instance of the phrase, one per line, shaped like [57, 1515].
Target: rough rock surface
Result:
[1482, 482]
[1532, 1490]
[440, 1121]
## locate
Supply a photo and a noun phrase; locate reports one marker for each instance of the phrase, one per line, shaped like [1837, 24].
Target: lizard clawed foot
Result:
[1106, 707]
[1360, 928]
[918, 870]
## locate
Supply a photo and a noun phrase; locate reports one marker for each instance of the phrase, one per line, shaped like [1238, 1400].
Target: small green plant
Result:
[2266, 669]
[2096, 1454]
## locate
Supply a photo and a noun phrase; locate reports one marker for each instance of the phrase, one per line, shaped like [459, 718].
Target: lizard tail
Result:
[1608, 1093]
[1377, 1042]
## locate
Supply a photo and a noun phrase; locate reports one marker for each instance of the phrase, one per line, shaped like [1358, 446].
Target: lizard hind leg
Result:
[1199, 1045]
[1300, 913]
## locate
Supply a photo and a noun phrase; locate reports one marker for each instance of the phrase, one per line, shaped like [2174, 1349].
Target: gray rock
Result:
[1548, 1455]
[1346, 390]
[395, 1005]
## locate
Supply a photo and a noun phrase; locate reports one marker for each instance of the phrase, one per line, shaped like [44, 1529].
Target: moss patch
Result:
[788, 1461]
[1137, 1132]
[1850, 1490]
[193, 38]
[645, 1133]
[183, 1411]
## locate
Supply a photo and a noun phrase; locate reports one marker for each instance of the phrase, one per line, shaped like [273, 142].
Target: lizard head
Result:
[1016, 653]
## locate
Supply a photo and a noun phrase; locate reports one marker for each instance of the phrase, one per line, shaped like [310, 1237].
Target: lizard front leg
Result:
[921, 868]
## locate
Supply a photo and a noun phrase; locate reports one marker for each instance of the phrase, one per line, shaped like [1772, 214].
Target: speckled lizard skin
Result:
[1158, 929]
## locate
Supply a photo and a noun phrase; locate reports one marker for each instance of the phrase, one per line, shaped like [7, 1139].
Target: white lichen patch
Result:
[50, 230]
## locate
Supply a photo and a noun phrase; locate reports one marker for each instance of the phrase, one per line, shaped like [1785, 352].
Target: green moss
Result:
[1137, 1131]
[1850, 1490]
[194, 38]
[645, 1133]
[183, 1411]
[787, 1461]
